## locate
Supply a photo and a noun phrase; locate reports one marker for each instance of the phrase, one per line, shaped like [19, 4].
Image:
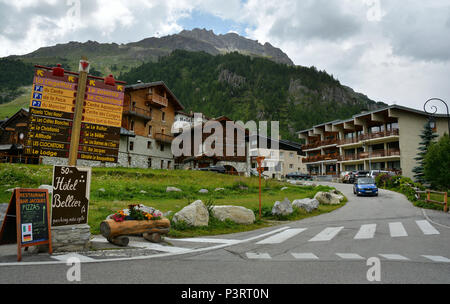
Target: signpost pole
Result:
[78, 114]
[260, 159]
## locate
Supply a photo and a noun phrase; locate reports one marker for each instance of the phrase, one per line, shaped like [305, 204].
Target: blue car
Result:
[365, 186]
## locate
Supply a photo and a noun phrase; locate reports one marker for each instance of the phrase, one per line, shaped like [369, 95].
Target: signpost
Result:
[27, 219]
[74, 115]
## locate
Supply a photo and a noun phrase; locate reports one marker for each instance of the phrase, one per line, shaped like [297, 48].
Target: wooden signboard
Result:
[52, 121]
[27, 220]
[70, 203]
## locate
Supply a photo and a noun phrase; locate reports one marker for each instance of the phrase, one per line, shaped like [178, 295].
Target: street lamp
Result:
[436, 109]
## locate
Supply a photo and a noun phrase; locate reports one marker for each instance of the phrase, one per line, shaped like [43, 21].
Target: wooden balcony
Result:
[372, 154]
[138, 112]
[164, 138]
[317, 158]
[157, 100]
[346, 141]
[317, 144]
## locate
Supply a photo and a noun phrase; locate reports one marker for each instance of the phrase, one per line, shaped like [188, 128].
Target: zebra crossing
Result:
[365, 232]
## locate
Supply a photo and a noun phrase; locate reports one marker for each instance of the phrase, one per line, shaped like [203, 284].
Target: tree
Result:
[437, 164]
[427, 137]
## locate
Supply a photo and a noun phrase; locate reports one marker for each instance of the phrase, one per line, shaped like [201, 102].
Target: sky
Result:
[395, 51]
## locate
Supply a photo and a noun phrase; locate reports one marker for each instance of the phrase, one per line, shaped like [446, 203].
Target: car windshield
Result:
[366, 181]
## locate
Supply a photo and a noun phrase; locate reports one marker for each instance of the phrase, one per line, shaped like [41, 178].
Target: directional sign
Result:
[52, 108]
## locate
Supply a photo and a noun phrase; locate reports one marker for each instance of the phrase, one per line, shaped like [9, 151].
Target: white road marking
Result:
[426, 227]
[350, 256]
[366, 232]
[394, 257]
[305, 256]
[258, 256]
[282, 236]
[397, 229]
[327, 234]
[65, 257]
[159, 247]
[436, 258]
[205, 240]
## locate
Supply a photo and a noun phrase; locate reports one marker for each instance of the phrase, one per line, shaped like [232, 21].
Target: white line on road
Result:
[158, 247]
[350, 256]
[394, 257]
[205, 240]
[282, 236]
[397, 229]
[258, 256]
[436, 258]
[327, 234]
[65, 257]
[305, 256]
[366, 232]
[426, 227]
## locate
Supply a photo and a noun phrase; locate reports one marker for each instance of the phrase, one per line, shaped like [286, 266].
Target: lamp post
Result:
[436, 109]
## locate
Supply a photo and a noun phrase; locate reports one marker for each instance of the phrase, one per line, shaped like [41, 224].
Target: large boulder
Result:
[308, 204]
[282, 208]
[327, 198]
[195, 214]
[237, 214]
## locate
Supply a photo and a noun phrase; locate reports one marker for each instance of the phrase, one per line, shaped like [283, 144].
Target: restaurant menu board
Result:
[27, 218]
[70, 203]
[52, 107]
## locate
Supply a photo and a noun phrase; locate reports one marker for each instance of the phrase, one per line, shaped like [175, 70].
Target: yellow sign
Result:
[54, 91]
[89, 118]
[102, 107]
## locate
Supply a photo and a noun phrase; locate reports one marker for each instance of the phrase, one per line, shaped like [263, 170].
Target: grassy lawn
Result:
[115, 188]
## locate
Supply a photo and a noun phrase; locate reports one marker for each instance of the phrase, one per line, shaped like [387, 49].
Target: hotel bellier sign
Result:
[70, 203]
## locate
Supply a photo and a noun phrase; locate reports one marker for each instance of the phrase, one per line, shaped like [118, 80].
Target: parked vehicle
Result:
[298, 176]
[357, 174]
[344, 177]
[365, 186]
[217, 169]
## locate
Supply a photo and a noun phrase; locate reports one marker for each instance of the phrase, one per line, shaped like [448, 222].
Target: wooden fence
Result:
[429, 200]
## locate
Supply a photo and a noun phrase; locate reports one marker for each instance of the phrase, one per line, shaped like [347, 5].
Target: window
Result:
[162, 147]
[291, 166]
[149, 145]
[131, 145]
[132, 125]
[168, 164]
[162, 164]
[149, 131]
[149, 162]
[291, 155]
[129, 160]
[163, 116]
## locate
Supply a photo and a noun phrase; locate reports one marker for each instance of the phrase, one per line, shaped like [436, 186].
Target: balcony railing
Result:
[372, 154]
[346, 141]
[317, 144]
[157, 100]
[139, 112]
[317, 158]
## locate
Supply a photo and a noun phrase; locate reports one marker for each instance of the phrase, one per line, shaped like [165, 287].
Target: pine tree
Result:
[427, 137]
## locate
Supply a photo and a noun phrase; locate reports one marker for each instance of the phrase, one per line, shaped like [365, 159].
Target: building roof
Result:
[397, 107]
[139, 86]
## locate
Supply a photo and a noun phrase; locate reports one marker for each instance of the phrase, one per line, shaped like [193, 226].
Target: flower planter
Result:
[117, 232]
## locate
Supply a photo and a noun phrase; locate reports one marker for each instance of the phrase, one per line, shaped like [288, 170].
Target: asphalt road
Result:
[332, 248]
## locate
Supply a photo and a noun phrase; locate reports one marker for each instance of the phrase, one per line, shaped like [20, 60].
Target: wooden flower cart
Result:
[117, 232]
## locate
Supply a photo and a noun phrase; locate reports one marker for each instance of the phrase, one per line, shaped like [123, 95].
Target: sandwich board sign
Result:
[70, 201]
[27, 220]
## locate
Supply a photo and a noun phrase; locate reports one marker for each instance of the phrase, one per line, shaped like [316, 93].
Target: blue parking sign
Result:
[37, 95]
[38, 88]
